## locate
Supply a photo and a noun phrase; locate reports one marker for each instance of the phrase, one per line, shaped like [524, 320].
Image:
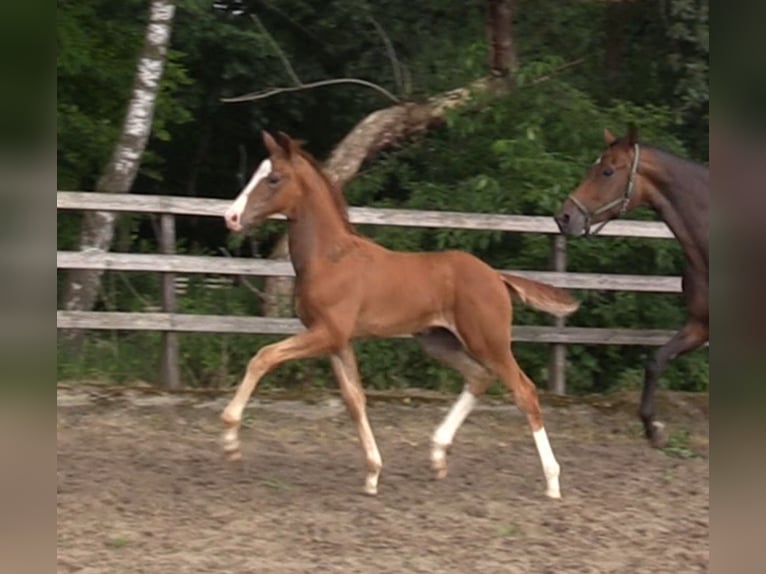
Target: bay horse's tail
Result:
[541, 296]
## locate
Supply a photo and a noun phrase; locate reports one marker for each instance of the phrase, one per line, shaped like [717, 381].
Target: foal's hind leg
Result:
[347, 373]
[442, 345]
[525, 395]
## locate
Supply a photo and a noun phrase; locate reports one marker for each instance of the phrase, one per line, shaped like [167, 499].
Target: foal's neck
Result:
[678, 192]
[316, 231]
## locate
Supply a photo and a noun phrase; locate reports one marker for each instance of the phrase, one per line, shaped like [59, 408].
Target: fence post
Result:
[170, 374]
[557, 367]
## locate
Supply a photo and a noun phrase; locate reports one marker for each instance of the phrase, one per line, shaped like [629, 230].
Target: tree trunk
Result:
[503, 62]
[615, 30]
[97, 232]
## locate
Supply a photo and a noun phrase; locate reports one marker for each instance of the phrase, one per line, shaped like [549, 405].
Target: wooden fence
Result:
[168, 263]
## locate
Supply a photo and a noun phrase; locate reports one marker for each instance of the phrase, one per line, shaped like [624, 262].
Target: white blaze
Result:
[233, 215]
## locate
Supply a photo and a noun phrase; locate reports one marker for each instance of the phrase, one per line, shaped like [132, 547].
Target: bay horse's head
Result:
[273, 188]
[609, 188]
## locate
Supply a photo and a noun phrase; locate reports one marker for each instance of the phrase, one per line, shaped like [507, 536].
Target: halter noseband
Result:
[622, 201]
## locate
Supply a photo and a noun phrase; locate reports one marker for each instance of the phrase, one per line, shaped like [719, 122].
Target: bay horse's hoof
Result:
[657, 436]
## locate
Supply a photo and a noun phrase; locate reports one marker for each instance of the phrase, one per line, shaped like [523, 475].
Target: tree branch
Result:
[244, 281]
[290, 71]
[556, 71]
[274, 91]
[390, 51]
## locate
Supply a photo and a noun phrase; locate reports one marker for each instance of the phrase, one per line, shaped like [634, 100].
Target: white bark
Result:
[97, 232]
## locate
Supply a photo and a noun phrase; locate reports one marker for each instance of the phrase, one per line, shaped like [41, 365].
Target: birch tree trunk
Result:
[97, 231]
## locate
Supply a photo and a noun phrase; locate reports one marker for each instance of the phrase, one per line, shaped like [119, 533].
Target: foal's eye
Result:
[273, 179]
[608, 171]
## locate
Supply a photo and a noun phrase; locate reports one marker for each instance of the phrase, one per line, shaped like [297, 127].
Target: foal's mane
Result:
[336, 193]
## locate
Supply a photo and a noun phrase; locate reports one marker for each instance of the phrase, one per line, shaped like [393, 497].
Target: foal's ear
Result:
[286, 142]
[609, 138]
[632, 134]
[271, 145]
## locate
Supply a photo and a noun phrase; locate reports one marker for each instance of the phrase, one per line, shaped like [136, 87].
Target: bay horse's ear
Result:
[609, 138]
[632, 134]
[271, 145]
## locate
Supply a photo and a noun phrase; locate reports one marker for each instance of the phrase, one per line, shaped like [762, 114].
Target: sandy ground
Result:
[143, 487]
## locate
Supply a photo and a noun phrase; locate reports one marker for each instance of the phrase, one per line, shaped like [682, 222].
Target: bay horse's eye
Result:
[608, 171]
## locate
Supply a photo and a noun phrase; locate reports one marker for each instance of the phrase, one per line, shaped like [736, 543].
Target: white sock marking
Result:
[458, 413]
[550, 466]
[233, 214]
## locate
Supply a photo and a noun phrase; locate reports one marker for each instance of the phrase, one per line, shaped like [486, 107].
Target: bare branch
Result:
[390, 51]
[274, 91]
[288, 67]
[557, 70]
[242, 279]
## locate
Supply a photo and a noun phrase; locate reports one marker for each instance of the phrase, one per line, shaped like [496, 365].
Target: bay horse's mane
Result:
[661, 150]
[336, 193]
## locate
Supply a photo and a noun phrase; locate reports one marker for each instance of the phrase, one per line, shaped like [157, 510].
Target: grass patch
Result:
[275, 484]
[679, 445]
[117, 542]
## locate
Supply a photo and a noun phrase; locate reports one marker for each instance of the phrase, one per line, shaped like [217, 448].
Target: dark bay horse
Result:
[349, 287]
[629, 174]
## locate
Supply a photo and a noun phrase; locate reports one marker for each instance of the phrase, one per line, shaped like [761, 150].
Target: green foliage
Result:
[584, 66]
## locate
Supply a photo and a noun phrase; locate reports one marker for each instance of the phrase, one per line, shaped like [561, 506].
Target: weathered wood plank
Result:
[359, 215]
[266, 267]
[272, 326]
[170, 370]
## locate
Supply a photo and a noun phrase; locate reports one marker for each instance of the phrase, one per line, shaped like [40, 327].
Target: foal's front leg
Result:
[310, 343]
[347, 373]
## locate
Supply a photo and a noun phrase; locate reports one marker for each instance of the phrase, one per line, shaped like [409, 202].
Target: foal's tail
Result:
[541, 296]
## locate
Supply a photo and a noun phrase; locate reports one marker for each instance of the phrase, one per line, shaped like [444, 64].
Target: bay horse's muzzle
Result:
[570, 220]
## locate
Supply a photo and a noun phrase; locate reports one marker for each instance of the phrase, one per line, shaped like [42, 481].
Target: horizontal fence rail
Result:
[114, 320]
[169, 264]
[268, 267]
[358, 215]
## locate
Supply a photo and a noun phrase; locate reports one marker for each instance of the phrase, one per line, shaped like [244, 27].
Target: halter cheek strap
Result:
[621, 201]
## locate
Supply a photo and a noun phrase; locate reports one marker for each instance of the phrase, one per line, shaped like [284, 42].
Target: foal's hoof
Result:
[657, 436]
[440, 468]
[370, 490]
[233, 456]
[439, 462]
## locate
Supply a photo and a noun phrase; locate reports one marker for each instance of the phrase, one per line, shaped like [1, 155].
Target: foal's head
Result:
[274, 187]
[609, 188]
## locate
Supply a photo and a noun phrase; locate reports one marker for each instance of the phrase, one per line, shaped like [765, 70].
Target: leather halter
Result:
[621, 201]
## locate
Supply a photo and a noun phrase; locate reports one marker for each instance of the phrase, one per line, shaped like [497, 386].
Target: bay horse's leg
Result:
[693, 334]
[309, 343]
[347, 373]
[442, 345]
[525, 395]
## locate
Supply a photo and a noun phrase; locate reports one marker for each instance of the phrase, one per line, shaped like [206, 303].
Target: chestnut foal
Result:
[349, 287]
